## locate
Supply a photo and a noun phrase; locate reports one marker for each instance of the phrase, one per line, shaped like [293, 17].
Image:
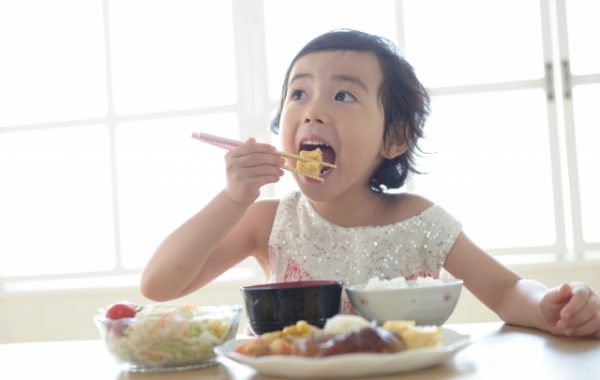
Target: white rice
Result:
[428, 281]
[400, 282]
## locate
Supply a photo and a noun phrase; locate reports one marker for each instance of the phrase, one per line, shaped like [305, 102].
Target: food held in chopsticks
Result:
[316, 158]
[313, 166]
[342, 334]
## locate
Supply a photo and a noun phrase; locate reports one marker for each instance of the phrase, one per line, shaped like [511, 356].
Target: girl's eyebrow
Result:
[338, 78]
[351, 79]
[300, 76]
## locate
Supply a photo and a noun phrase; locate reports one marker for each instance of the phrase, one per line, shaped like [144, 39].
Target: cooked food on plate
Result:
[342, 334]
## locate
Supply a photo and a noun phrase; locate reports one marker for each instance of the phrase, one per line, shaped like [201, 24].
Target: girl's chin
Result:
[314, 190]
[302, 180]
[311, 181]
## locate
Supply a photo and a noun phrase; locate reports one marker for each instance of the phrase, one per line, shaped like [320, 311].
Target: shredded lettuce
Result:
[172, 335]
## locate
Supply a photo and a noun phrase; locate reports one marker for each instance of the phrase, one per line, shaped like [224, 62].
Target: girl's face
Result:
[332, 102]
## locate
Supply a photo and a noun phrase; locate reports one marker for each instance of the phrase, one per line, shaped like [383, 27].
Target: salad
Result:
[166, 335]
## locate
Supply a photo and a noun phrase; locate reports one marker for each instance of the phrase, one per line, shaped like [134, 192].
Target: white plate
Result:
[349, 365]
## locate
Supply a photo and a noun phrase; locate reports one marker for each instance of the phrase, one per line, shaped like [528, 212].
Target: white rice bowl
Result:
[426, 300]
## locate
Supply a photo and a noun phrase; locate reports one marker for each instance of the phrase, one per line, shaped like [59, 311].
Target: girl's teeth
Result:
[311, 142]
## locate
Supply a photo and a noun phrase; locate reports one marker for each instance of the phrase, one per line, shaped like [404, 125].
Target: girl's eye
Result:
[297, 94]
[345, 96]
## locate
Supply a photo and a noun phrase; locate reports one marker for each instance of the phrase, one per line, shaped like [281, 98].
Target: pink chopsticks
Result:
[219, 141]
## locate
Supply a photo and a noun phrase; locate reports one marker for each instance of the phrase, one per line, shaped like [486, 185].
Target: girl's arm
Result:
[570, 309]
[227, 230]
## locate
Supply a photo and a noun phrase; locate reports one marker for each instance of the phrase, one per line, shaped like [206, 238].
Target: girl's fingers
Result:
[249, 167]
[559, 295]
[262, 159]
[581, 296]
[241, 174]
[252, 147]
[253, 158]
[590, 327]
[238, 173]
[554, 301]
[589, 311]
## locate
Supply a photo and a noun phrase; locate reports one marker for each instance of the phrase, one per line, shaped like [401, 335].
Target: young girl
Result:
[354, 97]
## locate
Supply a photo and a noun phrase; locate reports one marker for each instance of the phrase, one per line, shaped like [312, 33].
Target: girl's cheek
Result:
[286, 136]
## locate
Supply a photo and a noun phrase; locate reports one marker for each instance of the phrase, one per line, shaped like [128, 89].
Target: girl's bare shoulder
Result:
[407, 205]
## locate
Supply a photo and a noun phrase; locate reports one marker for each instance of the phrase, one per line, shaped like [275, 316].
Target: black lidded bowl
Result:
[271, 307]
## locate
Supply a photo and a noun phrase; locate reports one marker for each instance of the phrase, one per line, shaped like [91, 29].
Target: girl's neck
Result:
[370, 209]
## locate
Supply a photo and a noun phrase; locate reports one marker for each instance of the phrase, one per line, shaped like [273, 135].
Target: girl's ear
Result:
[393, 149]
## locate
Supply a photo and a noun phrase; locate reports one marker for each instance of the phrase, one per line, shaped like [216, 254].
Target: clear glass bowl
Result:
[167, 337]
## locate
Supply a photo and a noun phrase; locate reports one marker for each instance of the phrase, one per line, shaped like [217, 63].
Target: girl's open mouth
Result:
[327, 150]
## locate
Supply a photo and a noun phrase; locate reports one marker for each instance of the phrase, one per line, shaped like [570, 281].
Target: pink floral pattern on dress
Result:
[346, 307]
[421, 274]
[294, 272]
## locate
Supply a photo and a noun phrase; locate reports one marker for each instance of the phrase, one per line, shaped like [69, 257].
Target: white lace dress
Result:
[305, 246]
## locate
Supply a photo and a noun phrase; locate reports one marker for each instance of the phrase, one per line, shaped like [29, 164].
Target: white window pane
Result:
[585, 102]
[583, 31]
[56, 210]
[165, 177]
[170, 55]
[490, 166]
[52, 62]
[471, 41]
[284, 40]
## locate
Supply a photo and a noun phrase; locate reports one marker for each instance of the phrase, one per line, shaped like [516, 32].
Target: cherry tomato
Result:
[121, 310]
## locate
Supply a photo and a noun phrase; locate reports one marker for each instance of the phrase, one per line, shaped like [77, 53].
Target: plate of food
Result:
[348, 346]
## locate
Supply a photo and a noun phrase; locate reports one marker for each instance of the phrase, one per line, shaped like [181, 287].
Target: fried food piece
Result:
[423, 336]
[398, 326]
[415, 336]
[312, 167]
[278, 342]
[254, 347]
[299, 330]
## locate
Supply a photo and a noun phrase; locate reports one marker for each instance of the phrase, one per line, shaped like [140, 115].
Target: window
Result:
[581, 79]
[489, 127]
[98, 99]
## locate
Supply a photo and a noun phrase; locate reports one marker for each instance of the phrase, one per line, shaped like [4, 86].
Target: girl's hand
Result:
[249, 167]
[571, 310]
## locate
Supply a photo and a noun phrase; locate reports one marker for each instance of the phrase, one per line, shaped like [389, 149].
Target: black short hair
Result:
[404, 99]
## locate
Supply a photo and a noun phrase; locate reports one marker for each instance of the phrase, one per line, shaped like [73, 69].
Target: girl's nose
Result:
[308, 120]
[315, 113]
